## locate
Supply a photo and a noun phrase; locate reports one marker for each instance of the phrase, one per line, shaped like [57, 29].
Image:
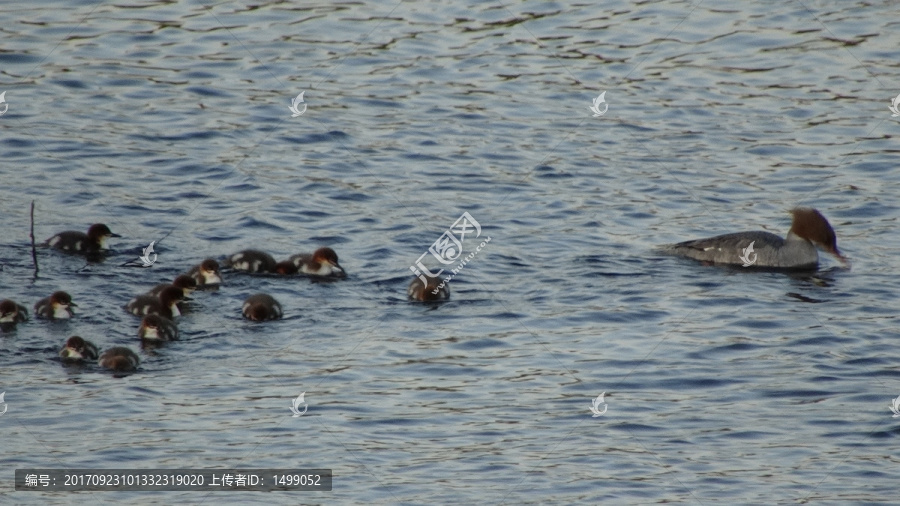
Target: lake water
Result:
[169, 122]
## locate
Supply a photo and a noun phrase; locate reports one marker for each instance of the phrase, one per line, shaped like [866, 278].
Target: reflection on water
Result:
[171, 123]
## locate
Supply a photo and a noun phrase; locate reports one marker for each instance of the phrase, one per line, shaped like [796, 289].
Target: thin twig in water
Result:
[33, 247]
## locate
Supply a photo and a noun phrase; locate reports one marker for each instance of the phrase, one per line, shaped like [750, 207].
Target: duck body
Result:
[809, 230]
[72, 241]
[251, 260]
[119, 359]
[430, 292]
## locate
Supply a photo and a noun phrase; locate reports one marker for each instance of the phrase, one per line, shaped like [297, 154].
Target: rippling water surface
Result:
[169, 121]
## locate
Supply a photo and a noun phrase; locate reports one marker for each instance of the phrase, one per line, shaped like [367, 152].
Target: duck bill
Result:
[837, 254]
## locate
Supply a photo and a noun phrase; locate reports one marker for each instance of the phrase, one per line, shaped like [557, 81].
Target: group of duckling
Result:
[160, 305]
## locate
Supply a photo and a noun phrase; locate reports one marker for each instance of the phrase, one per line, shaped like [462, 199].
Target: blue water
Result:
[169, 122]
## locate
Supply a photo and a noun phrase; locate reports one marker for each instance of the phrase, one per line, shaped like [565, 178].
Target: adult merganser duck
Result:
[763, 249]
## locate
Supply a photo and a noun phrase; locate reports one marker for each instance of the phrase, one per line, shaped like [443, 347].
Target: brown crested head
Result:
[809, 224]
